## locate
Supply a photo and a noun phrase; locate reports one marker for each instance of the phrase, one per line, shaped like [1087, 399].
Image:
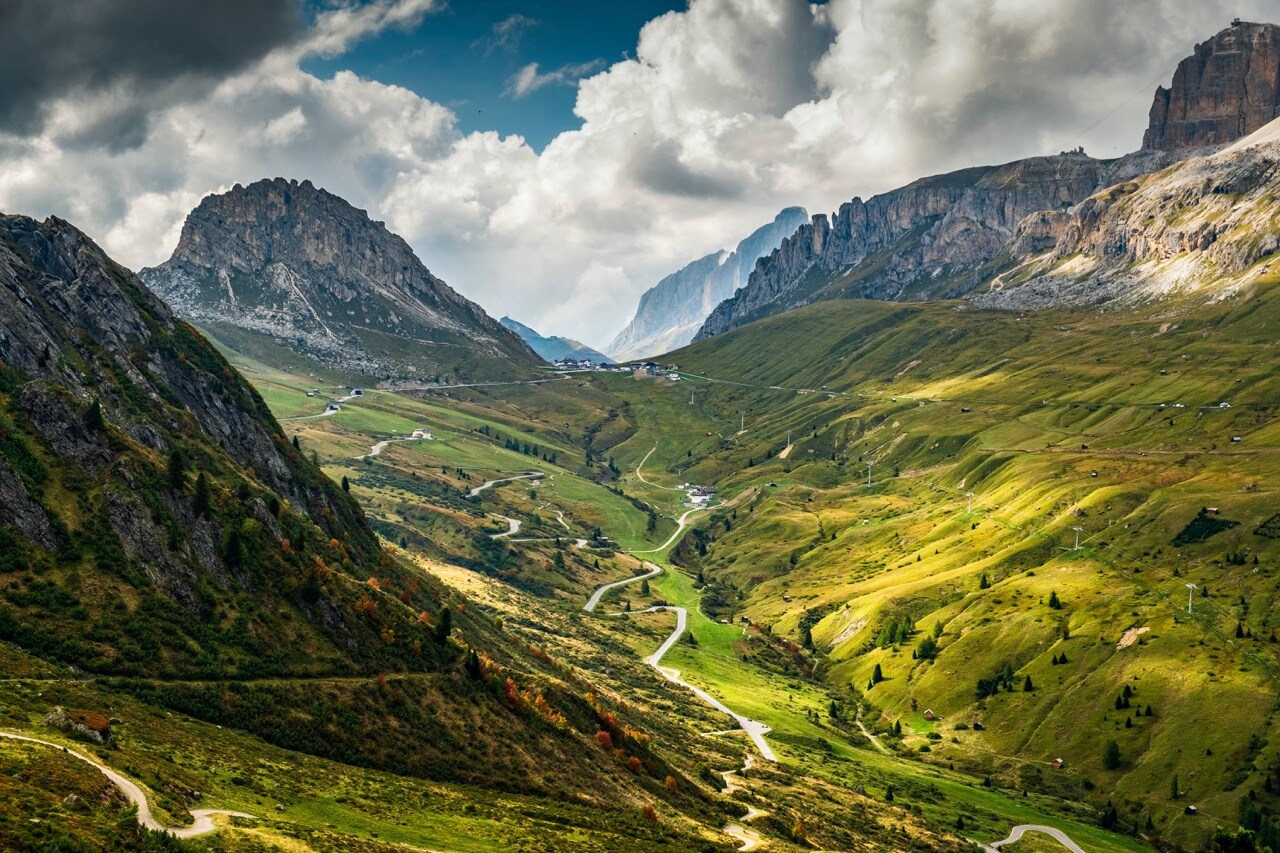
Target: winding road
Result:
[1015, 835]
[590, 606]
[203, 818]
[491, 483]
[875, 741]
[640, 473]
[513, 528]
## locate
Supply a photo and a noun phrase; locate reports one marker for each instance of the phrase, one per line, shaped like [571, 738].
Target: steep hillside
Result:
[671, 311]
[554, 348]
[297, 267]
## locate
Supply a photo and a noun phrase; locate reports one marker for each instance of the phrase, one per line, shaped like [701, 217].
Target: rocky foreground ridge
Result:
[301, 266]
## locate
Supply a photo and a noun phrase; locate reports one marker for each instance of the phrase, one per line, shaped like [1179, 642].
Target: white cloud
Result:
[529, 79]
[728, 112]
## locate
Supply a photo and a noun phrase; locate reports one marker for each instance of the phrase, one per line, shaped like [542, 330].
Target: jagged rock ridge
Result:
[1203, 225]
[1227, 89]
[930, 239]
[671, 311]
[303, 267]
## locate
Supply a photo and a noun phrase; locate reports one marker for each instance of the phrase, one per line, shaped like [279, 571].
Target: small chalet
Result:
[929, 715]
[1058, 763]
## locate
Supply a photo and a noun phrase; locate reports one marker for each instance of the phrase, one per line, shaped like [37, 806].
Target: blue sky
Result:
[458, 59]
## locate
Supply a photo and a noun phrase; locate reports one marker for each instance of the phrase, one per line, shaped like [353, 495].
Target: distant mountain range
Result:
[975, 232]
[554, 348]
[671, 311]
[285, 263]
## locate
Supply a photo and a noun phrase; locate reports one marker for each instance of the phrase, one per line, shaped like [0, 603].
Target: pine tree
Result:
[1054, 603]
[888, 794]
[1239, 630]
[644, 587]
[473, 665]
[984, 583]
[295, 443]
[200, 503]
[808, 639]
[1026, 685]
[93, 417]
[444, 627]
[177, 469]
[346, 484]
[1174, 793]
[1111, 757]
[877, 675]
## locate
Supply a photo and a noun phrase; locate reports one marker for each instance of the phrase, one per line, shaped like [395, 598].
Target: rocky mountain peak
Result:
[1228, 88]
[290, 261]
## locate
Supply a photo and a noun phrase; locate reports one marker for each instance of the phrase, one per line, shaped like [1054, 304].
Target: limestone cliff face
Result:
[671, 311]
[930, 239]
[296, 263]
[1205, 224]
[1227, 89]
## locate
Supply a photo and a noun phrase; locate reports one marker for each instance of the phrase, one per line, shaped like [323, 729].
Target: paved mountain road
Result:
[1015, 835]
[202, 824]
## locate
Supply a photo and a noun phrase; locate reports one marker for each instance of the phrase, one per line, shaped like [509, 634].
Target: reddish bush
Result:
[650, 813]
[634, 765]
[604, 739]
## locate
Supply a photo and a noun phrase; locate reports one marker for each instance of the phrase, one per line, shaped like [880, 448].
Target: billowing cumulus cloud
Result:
[110, 56]
[728, 112]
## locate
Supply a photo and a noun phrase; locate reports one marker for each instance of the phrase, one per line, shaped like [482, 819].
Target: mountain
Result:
[1203, 225]
[1227, 89]
[671, 311]
[555, 347]
[931, 239]
[953, 234]
[136, 458]
[284, 263]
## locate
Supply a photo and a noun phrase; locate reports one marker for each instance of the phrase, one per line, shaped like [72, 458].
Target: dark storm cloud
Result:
[127, 50]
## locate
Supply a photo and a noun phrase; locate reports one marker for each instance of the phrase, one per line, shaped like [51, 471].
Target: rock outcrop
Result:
[671, 311]
[1227, 89]
[931, 239]
[1202, 225]
[301, 266]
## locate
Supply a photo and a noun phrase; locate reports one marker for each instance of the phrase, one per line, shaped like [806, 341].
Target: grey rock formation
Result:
[1228, 88]
[304, 268]
[671, 311]
[934, 238]
[1203, 225]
